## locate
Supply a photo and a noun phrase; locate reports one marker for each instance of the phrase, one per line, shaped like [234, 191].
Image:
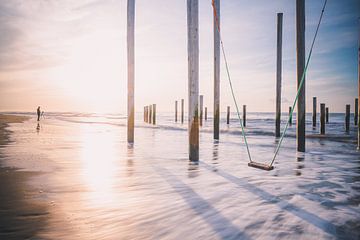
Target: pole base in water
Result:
[260, 166]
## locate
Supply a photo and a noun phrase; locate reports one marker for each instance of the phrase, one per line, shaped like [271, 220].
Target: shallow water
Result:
[95, 186]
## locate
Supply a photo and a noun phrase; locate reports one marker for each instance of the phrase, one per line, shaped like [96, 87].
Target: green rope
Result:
[231, 87]
[300, 85]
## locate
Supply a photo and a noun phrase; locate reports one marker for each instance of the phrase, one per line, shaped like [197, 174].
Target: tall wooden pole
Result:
[176, 111]
[193, 77]
[201, 109]
[358, 128]
[314, 112]
[182, 110]
[322, 118]
[300, 59]
[278, 73]
[216, 23]
[131, 69]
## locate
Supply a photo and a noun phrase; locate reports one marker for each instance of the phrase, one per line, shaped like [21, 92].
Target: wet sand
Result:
[21, 216]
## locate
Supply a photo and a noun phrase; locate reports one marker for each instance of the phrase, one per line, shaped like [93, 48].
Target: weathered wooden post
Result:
[322, 118]
[176, 110]
[193, 75]
[228, 115]
[131, 69]
[327, 114]
[154, 114]
[347, 118]
[201, 109]
[150, 114]
[146, 114]
[205, 113]
[314, 112]
[182, 110]
[244, 115]
[356, 112]
[216, 29]
[278, 74]
[290, 116]
[358, 128]
[300, 59]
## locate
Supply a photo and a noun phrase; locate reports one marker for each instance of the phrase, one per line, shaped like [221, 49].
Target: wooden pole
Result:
[150, 114]
[193, 75]
[144, 113]
[205, 113]
[347, 118]
[131, 69]
[314, 112]
[154, 114]
[228, 115]
[201, 109]
[356, 112]
[244, 115]
[322, 118]
[358, 128]
[300, 59]
[182, 110]
[290, 116]
[216, 29]
[176, 110]
[327, 114]
[278, 74]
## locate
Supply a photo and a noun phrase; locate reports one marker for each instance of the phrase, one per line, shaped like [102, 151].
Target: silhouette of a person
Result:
[38, 113]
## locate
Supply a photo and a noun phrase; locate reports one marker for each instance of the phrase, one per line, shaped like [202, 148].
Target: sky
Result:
[71, 55]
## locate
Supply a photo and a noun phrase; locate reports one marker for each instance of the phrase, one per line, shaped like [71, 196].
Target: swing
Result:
[264, 166]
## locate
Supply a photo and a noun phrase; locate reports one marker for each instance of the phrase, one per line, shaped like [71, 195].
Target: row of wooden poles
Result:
[193, 73]
[150, 114]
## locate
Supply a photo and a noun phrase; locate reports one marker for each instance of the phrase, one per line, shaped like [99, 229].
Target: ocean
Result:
[89, 183]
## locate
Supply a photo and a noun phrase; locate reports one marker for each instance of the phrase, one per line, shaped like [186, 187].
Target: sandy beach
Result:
[21, 216]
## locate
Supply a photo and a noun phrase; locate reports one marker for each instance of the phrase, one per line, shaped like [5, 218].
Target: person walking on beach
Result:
[38, 113]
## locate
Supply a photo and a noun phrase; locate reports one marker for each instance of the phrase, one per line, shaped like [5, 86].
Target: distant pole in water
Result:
[314, 112]
[205, 113]
[228, 115]
[154, 114]
[300, 60]
[193, 77]
[131, 69]
[216, 29]
[290, 116]
[356, 114]
[322, 118]
[150, 114]
[278, 73]
[244, 115]
[201, 109]
[327, 114]
[182, 110]
[176, 110]
[347, 118]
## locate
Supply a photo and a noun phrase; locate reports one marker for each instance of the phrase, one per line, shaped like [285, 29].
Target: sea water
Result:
[96, 186]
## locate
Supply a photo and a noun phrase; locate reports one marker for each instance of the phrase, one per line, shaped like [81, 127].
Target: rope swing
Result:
[252, 163]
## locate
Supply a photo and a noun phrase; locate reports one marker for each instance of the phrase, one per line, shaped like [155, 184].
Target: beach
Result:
[75, 177]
